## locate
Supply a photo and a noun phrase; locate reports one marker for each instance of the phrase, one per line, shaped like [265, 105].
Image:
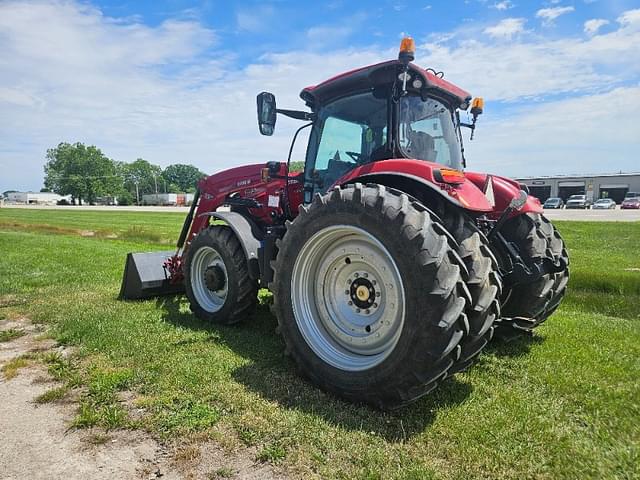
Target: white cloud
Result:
[160, 93]
[548, 15]
[577, 135]
[504, 5]
[630, 18]
[506, 28]
[592, 26]
[255, 19]
[322, 37]
[535, 67]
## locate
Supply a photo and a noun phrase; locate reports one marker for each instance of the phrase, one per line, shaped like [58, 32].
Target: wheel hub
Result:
[362, 292]
[214, 278]
[208, 276]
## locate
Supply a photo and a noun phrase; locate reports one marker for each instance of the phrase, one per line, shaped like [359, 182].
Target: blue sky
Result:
[175, 81]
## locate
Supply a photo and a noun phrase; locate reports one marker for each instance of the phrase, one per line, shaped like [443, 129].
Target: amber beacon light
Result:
[407, 50]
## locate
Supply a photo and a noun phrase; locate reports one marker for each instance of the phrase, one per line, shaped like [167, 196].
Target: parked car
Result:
[631, 203]
[578, 201]
[553, 202]
[604, 204]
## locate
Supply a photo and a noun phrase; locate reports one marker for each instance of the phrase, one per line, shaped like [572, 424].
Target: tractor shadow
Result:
[510, 344]
[273, 376]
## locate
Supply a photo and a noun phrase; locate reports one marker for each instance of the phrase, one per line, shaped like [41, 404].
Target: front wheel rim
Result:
[348, 298]
[209, 300]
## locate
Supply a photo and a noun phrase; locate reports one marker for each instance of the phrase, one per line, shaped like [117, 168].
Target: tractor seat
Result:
[421, 146]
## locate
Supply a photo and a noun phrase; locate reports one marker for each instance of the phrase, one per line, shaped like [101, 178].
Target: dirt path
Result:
[35, 442]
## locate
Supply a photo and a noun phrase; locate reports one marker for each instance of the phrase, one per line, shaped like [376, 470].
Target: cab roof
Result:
[379, 74]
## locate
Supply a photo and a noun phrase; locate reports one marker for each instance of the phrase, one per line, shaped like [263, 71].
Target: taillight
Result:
[449, 175]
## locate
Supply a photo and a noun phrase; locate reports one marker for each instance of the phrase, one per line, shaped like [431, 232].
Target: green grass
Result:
[563, 404]
[52, 395]
[10, 334]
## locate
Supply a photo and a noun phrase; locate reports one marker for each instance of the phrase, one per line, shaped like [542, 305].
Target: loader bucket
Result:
[146, 277]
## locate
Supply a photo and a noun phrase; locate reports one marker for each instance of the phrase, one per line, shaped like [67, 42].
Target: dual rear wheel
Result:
[372, 296]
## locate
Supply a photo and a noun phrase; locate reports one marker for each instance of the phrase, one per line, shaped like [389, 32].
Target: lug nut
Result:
[350, 302]
[375, 305]
[357, 310]
[367, 311]
[366, 275]
[356, 274]
[377, 294]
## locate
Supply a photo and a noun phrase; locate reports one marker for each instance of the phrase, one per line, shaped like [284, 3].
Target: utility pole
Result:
[137, 194]
[155, 181]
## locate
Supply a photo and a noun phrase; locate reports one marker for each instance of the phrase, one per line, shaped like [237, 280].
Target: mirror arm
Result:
[297, 114]
[472, 126]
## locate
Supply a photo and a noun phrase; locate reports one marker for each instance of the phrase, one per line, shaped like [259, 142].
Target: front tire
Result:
[217, 281]
[527, 306]
[350, 249]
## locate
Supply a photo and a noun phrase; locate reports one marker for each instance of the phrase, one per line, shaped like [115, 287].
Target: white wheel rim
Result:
[209, 300]
[348, 298]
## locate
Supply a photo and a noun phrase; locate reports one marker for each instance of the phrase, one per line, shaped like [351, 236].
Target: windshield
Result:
[349, 132]
[576, 197]
[427, 131]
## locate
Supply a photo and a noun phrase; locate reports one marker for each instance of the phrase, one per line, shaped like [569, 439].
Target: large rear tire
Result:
[369, 296]
[484, 284]
[217, 281]
[528, 305]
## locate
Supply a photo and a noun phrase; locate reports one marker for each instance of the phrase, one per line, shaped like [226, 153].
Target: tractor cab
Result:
[390, 110]
[369, 126]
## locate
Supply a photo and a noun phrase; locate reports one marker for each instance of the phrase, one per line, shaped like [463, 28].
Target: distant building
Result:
[107, 200]
[613, 185]
[171, 199]
[36, 198]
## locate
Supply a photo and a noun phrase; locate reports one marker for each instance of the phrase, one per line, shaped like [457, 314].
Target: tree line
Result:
[85, 173]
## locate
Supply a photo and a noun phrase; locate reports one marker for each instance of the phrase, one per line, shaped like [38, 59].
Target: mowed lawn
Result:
[562, 404]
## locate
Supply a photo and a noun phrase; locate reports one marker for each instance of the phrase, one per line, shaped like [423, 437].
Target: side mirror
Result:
[266, 113]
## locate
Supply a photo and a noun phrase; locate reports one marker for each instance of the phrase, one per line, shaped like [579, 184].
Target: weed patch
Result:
[53, 395]
[10, 334]
[272, 453]
[11, 368]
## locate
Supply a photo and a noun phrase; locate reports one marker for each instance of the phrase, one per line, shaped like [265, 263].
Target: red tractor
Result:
[390, 265]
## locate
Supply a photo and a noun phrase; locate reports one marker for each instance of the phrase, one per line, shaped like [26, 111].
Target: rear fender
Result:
[421, 174]
[247, 233]
[416, 187]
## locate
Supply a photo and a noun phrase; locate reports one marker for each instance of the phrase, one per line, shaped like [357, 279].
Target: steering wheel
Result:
[355, 156]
